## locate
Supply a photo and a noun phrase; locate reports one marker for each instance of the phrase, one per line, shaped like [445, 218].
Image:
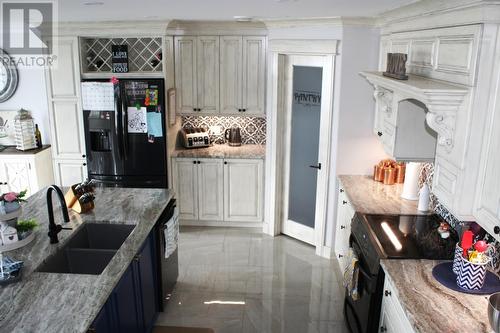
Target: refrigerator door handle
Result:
[119, 123]
[125, 126]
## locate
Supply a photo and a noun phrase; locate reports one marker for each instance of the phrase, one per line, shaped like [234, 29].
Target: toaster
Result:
[195, 137]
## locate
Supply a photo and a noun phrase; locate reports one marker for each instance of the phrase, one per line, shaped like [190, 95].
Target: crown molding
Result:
[113, 28]
[200, 28]
[336, 21]
[427, 14]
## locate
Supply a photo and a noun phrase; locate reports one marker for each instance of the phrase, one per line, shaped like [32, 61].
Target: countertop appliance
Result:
[376, 237]
[126, 137]
[195, 137]
[168, 268]
[233, 136]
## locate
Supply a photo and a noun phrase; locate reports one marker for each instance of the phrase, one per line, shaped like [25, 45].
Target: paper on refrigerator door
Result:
[171, 234]
[98, 96]
[137, 120]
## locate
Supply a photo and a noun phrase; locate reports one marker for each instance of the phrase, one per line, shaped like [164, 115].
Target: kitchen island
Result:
[53, 302]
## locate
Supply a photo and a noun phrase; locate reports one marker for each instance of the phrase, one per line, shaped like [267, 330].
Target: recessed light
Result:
[243, 18]
[93, 3]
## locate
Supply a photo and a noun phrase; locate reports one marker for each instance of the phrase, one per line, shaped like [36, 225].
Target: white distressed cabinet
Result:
[392, 316]
[197, 74]
[345, 213]
[25, 171]
[487, 202]
[198, 185]
[210, 189]
[243, 190]
[242, 74]
[66, 115]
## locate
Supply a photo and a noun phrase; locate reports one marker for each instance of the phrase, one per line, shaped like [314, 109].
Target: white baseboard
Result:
[326, 252]
[198, 223]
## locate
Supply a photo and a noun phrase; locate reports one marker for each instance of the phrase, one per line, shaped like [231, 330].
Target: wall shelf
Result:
[443, 100]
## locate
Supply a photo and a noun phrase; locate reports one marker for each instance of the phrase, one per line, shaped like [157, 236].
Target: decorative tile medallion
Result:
[253, 129]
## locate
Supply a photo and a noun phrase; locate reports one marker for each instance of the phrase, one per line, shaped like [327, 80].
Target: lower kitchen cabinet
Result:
[243, 190]
[133, 304]
[212, 189]
[392, 316]
[345, 213]
[198, 185]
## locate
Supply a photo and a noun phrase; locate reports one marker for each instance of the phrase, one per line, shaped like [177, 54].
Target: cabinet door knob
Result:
[344, 202]
[383, 329]
[387, 293]
[244, 110]
[194, 162]
[84, 156]
[84, 164]
[199, 162]
[496, 229]
[225, 162]
[342, 227]
[137, 258]
[340, 256]
[379, 133]
[341, 191]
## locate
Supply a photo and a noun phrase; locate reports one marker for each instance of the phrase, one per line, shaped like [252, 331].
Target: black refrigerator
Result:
[126, 145]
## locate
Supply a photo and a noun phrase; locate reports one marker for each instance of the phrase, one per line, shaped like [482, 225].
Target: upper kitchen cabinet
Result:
[453, 76]
[242, 74]
[65, 112]
[219, 67]
[487, 203]
[231, 57]
[197, 74]
[254, 69]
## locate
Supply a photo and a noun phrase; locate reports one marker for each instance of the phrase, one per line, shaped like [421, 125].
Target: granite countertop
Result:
[53, 302]
[11, 150]
[223, 151]
[431, 307]
[370, 197]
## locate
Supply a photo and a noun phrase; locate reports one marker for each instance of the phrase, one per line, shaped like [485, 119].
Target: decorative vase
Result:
[11, 206]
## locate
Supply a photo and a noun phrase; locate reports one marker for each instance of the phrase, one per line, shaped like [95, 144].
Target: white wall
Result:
[358, 148]
[31, 95]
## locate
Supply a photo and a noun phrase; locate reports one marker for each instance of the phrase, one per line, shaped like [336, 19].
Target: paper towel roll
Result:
[410, 186]
[423, 199]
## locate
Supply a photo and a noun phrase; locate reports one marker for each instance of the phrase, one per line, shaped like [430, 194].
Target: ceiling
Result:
[111, 10]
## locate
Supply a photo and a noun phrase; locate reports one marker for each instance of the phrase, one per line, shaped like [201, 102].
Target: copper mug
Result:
[389, 176]
[378, 173]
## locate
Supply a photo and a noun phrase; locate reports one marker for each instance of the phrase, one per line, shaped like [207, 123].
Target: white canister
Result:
[410, 186]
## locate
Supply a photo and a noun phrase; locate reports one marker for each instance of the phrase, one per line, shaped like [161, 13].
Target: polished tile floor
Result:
[240, 280]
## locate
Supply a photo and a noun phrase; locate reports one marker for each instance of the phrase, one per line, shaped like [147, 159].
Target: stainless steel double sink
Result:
[89, 250]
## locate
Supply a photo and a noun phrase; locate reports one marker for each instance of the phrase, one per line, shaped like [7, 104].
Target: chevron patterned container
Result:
[457, 259]
[471, 276]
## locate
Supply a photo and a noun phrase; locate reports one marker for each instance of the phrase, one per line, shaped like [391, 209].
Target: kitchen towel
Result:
[171, 234]
[351, 274]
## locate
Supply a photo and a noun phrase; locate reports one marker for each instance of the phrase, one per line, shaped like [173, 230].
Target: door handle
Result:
[316, 166]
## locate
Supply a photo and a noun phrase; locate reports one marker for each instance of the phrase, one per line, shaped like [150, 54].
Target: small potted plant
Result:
[25, 228]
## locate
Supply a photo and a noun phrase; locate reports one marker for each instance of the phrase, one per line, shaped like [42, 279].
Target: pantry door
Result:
[307, 130]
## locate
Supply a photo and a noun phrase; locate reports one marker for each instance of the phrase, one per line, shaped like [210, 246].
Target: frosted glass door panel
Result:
[306, 117]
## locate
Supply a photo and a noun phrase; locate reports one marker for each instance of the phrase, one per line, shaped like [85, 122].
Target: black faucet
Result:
[54, 228]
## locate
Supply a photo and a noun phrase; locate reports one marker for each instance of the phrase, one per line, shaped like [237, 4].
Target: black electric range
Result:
[376, 237]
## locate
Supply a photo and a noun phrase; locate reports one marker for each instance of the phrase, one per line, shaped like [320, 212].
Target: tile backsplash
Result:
[253, 129]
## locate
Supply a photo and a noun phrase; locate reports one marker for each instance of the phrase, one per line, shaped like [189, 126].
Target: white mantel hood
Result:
[443, 100]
